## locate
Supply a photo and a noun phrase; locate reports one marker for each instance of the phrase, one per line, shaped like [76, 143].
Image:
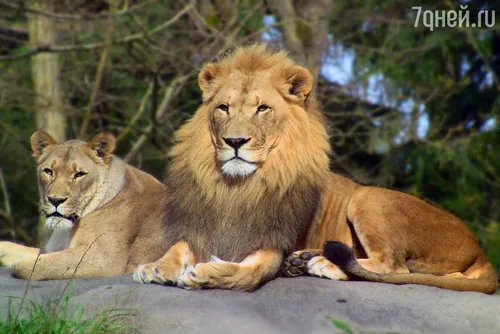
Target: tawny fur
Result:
[271, 209]
[261, 211]
[118, 210]
[400, 238]
[249, 221]
[396, 233]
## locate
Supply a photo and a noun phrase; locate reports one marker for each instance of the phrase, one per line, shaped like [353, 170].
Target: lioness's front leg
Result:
[82, 261]
[12, 253]
[247, 275]
[168, 268]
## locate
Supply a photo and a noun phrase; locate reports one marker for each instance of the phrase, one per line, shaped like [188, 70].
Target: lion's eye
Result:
[263, 108]
[48, 171]
[79, 174]
[223, 107]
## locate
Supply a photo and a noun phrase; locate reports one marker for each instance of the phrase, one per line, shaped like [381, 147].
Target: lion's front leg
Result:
[168, 268]
[12, 253]
[244, 276]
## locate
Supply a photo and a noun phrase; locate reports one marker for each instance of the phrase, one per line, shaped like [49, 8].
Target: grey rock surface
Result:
[285, 305]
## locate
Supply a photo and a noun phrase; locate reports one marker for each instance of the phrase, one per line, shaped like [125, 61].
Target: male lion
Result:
[105, 215]
[249, 183]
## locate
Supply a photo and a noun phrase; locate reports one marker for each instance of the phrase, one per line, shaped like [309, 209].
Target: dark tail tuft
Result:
[340, 254]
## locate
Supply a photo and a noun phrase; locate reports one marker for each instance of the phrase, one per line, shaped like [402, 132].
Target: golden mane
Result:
[254, 58]
[300, 158]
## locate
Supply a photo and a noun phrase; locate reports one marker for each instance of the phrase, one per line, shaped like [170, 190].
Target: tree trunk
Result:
[46, 72]
[304, 24]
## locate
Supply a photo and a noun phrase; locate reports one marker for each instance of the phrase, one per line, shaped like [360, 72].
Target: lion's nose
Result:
[236, 143]
[55, 201]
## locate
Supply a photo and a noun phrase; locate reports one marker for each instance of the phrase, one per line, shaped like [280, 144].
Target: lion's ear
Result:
[207, 75]
[300, 82]
[104, 145]
[40, 140]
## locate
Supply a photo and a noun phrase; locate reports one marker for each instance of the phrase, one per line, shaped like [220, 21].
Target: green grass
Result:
[342, 325]
[53, 317]
[348, 329]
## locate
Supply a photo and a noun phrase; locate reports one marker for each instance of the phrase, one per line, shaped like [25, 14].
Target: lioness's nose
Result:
[55, 201]
[236, 143]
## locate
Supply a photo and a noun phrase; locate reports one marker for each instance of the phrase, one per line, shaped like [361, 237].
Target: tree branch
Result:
[97, 82]
[285, 11]
[93, 46]
[79, 17]
[171, 91]
[137, 115]
[5, 194]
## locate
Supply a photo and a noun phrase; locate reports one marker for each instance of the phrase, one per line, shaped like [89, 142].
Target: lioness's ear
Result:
[301, 82]
[104, 145]
[40, 140]
[207, 75]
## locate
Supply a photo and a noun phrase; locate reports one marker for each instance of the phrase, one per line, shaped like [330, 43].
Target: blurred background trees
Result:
[409, 108]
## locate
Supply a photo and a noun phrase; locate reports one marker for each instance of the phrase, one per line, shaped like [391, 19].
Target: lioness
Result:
[105, 215]
[250, 182]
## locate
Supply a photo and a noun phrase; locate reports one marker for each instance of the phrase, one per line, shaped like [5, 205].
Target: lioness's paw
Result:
[152, 272]
[296, 264]
[10, 260]
[320, 266]
[11, 253]
[7, 247]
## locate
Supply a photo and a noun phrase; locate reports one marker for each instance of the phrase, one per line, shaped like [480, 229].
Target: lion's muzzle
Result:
[236, 143]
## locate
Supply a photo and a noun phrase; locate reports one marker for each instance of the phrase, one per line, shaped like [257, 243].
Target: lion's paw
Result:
[143, 274]
[321, 267]
[153, 273]
[216, 273]
[296, 264]
[191, 278]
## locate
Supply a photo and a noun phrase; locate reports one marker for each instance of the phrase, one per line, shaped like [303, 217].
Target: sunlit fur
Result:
[301, 155]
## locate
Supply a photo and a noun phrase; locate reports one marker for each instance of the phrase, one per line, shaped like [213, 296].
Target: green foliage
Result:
[53, 317]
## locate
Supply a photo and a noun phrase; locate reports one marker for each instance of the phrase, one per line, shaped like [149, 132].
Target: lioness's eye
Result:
[79, 174]
[263, 108]
[223, 107]
[48, 171]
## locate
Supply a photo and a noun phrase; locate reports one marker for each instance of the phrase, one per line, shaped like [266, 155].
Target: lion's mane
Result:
[270, 209]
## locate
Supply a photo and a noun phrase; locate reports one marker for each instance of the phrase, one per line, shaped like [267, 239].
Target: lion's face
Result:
[245, 123]
[250, 111]
[69, 175]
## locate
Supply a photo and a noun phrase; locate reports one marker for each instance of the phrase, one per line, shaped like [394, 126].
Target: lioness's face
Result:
[69, 175]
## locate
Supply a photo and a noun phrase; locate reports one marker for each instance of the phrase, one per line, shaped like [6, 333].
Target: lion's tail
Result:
[343, 256]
